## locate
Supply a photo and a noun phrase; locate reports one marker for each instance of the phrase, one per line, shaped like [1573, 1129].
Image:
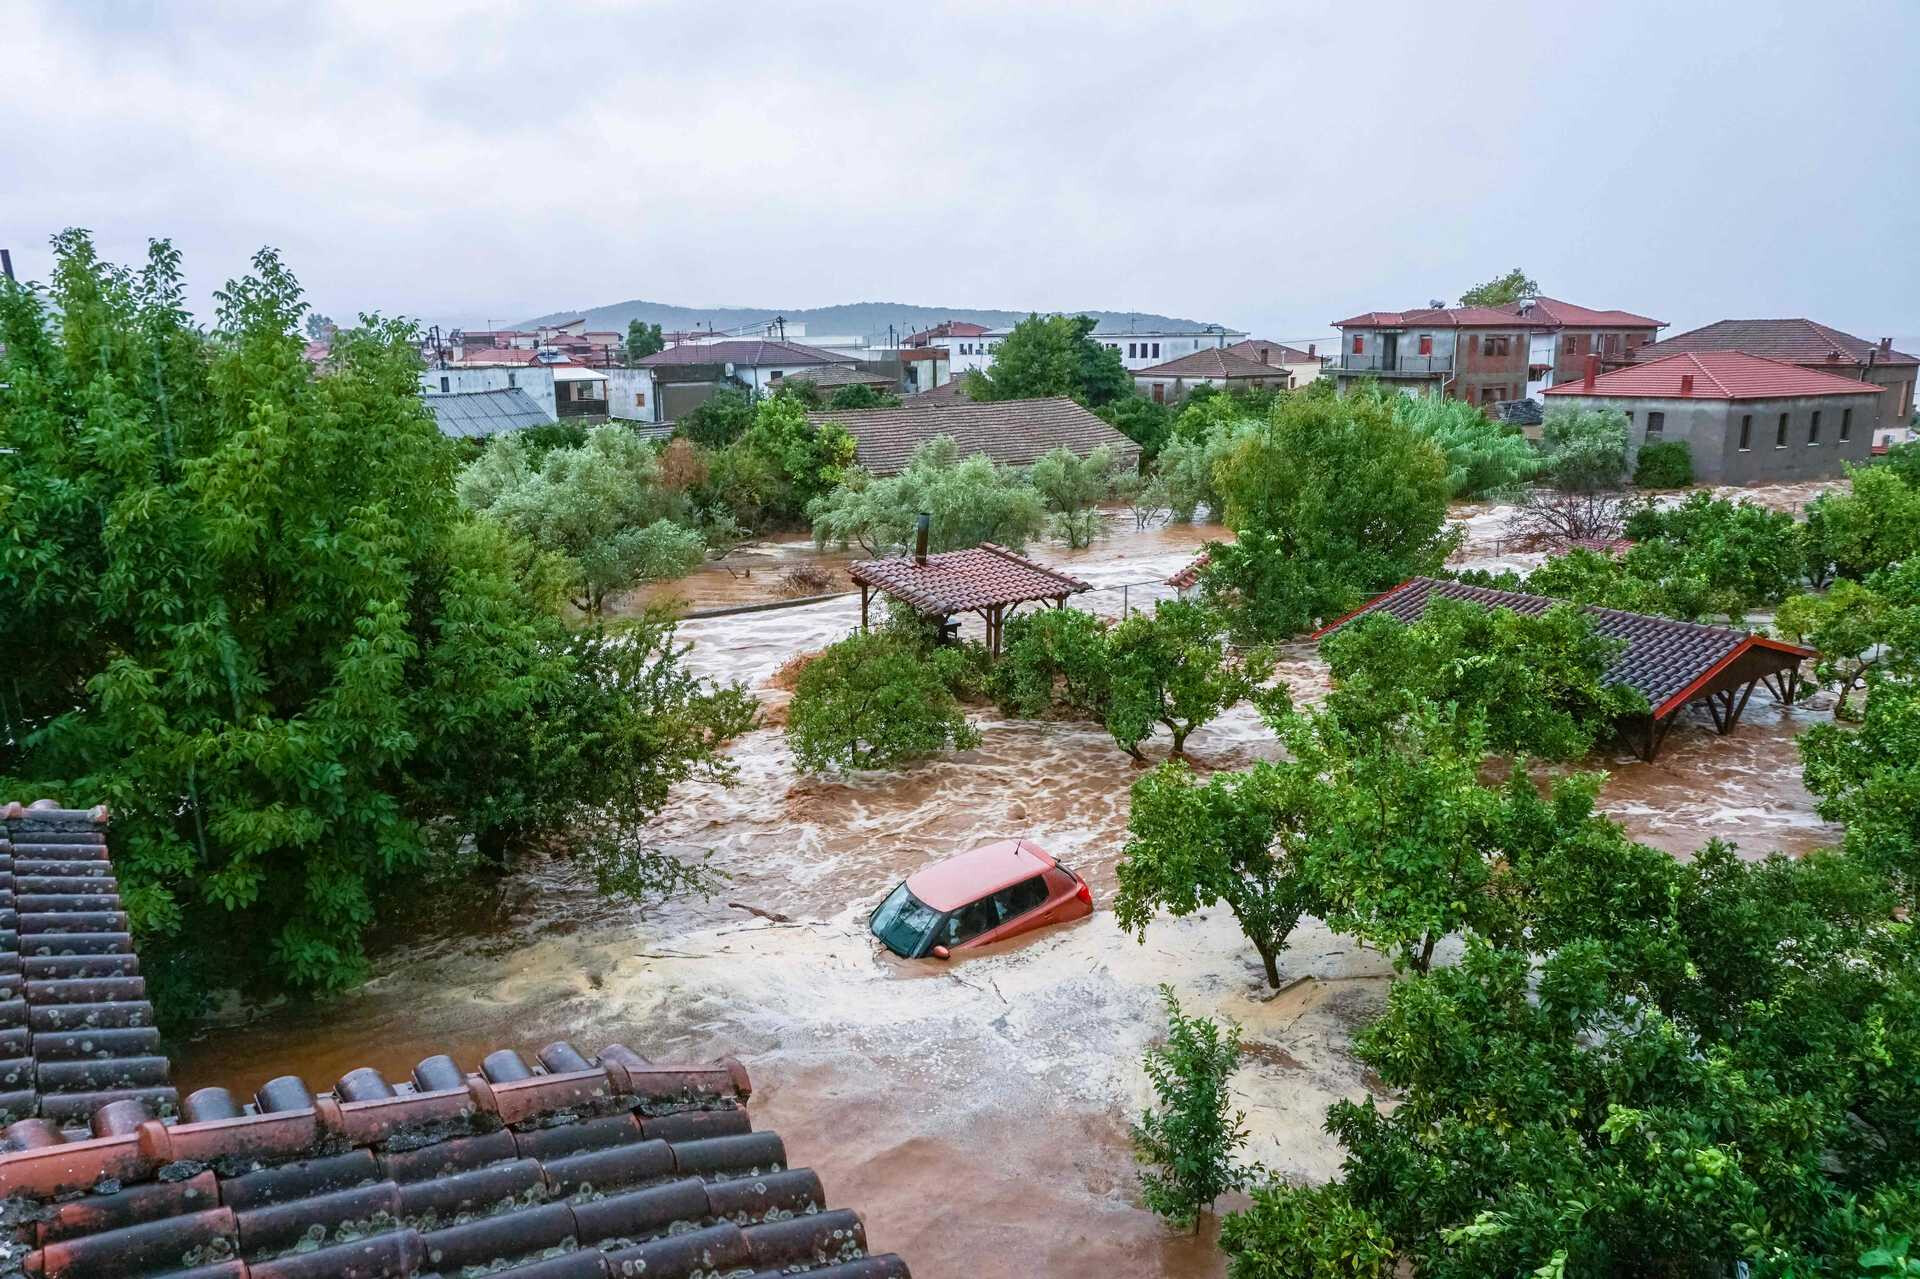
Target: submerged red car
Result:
[978, 898]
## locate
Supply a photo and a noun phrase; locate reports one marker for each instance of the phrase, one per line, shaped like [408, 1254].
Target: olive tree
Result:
[876, 700]
[1172, 669]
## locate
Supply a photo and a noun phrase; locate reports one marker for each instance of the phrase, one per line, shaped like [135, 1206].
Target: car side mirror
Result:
[941, 952]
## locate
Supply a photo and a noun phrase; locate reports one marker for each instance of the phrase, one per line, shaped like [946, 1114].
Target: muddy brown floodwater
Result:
[975, 1112]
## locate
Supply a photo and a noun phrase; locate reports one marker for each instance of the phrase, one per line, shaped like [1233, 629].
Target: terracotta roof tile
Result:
[753, 352]
[1717, 375]
[1553, 313]
[567, 1166]
[1278, 352]
[1665, 660]
[1797, 341]
[1445, 317]
[958, 581]
[1213, 362]
[1011, 432]
[1190, 574]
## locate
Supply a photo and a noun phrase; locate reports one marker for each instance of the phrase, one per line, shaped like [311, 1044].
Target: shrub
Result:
[970, 501]
[720, 419]
[1483, 456]
[1667, 464]
[1188, 1143]
[1305, 1232]
[877, 700]
[1585, 450]
[1053, 660]
[1171, 668]
[807, 579]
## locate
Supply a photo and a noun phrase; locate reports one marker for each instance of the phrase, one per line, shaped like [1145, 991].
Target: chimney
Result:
[1264, 354]
[1310, 354]
[1886, 346]
[1686, 384]
[920, 527]
[1593, 371]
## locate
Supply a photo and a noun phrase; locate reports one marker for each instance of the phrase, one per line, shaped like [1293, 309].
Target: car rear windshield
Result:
[903, 922]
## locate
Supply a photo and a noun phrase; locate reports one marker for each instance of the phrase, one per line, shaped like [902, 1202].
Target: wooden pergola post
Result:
[864, 592]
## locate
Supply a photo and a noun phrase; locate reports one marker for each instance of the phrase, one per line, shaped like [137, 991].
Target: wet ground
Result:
[975, 1111]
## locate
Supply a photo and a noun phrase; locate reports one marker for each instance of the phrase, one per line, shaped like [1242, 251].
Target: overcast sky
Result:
[1273, 166]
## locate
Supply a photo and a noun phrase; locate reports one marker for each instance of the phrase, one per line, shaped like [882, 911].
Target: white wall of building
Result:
[631, 396]
[535, 380]
[1141, 350]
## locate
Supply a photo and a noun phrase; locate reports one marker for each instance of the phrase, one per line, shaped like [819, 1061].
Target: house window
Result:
[1473, 343]
[445, 385]
[1159, 392]
[1156, 350]
[513, 379]
[1813, 428]
[1780, 433]
[1746, 432]
[1656, 426]
[1846, 425]
[1132, 350]
[1426, 344]
[1568, 346]
[775, 375]
[639, 399]
[1359, 343]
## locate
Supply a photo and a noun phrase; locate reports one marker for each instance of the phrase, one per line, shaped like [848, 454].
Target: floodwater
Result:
[975, 1111]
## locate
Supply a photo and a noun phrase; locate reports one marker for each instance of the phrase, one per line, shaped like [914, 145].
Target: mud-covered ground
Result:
[974, 1111]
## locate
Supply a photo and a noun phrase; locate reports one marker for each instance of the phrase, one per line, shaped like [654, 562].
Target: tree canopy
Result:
[971, 500]
[1053, 355]
[1503, 290]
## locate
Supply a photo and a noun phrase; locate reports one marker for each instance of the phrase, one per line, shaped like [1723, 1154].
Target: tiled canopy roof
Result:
[76, 1030]
[753, 353]
[1445, 317]
[1213, 362]
[1667, 661]
[1797, 341]
[1011, 432]
[959, 581]
[1716, 375]
[566, 1168]
[1552, 313]
[1190, 574]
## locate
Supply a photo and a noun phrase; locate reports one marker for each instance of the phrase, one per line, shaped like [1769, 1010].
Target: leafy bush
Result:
[1876, 523]
[1073, 486]
[1141, 420]
[1483, 456]
[1189, 1142]
[1585, 449]
[862, 396]
[877, 700]
[1053, 355]
[720, 419]
[1305, 1232]
[970, 501]
[1533, 682]
[1053, 661]
[1666, 464]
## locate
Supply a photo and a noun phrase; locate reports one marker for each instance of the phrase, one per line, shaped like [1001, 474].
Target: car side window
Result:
[1021, 898]
[971, 920]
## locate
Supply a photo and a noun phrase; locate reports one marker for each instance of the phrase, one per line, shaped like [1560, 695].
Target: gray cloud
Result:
[1271, 165]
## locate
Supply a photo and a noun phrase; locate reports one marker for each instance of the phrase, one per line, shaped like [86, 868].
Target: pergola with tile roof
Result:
[1672, 664]
[987, 579]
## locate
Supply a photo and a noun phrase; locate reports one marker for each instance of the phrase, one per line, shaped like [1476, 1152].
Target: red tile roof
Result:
[1278, 352]
[960, 581]
[1213, 362]
[1553, 313]
[947, 329]
[753, 352]
[568, 1167]
[1796, 341]
[1190, 574]
[1717, 375]
[1446, 317]
[1669, 662]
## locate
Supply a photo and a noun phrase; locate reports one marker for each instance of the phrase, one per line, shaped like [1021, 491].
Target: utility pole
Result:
[6, 263]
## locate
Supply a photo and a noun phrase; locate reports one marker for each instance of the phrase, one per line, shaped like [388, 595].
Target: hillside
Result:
[862, 319]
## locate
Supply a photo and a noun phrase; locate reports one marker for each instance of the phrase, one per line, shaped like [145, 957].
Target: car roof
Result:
[951, 884]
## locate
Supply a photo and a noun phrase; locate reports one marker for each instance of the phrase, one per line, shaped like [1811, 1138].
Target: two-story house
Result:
[1472, 353]
[1565, 334]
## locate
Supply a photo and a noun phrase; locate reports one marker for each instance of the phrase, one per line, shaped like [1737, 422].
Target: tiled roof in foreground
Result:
[1011, 432]
[1715, 375]
[565, 1167]
[959, 581]
[1667, 661]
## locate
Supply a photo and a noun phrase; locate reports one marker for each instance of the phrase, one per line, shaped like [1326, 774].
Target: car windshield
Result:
[903, 922]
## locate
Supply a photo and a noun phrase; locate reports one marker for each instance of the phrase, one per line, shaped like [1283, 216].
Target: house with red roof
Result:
[1745, 419]
[1815, 346]
[1172, 381]
[1485, 355]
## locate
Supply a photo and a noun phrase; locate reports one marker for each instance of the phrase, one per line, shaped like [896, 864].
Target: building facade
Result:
[1472, 353]
[1175, 380]
[1565, 334]
[1302, 366]
[535, 379]
[1744, 419]
[1817, 347]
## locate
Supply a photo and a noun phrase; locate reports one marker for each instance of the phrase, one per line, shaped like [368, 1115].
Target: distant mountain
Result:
[858, 319]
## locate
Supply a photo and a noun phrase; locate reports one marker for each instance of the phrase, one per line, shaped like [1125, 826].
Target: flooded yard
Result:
[975, 1111]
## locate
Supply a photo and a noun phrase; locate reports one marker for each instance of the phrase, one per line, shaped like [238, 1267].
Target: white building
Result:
[757, 364]
[972, 346]
[536, 380]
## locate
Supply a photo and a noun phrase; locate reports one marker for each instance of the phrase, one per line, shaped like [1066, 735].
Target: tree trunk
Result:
[1270, 960]
[1426, 954]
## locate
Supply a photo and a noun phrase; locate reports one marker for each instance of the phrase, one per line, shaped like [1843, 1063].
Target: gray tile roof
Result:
[1011, 432]
[1797, 341]
[476, 415]
[753, 352]
[834, 375]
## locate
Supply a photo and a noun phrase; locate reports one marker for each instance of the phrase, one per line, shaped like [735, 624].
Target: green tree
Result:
[1535, 683]
[970, 500]
[601, 507]
[809, 460]
[643, 339]
[1305, 1232]
[720, 419]
[861, 396]
[1188, 1142]
[1229, 840]
[250, 614]
[1053, 661]
[1053, 355]
[1171, 668]
[1483, 456]
[320, 328]
[1858, 629]
[1332, 499]
[1665, 464]
[1874, 524]
[1747, 555]
[1584, 449]
[1867, 778]
[1073, 487]
[1503, 290]
[1141, 420]
[876, 700]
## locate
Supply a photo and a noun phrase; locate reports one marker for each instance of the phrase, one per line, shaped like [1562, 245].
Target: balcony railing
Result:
[1400, 366]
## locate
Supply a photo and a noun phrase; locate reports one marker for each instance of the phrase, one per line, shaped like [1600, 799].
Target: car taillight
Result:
[1084, 893]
